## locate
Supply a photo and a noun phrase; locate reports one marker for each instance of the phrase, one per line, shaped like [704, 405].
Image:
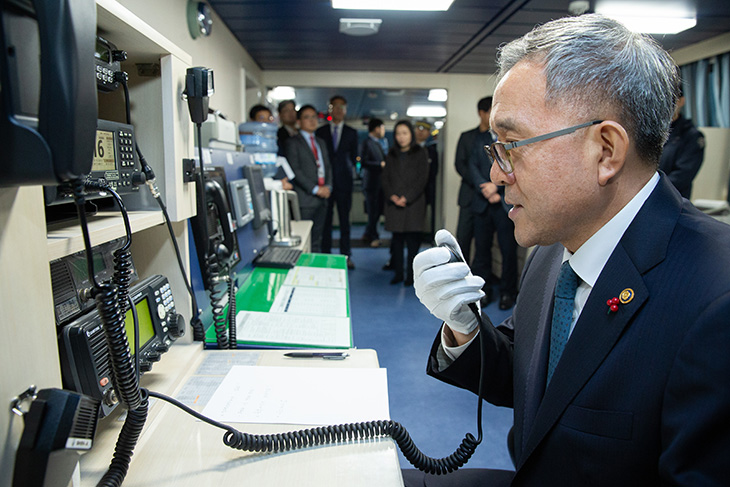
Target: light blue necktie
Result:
[562, 315]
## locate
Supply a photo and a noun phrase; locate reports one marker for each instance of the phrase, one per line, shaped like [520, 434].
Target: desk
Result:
[175, 449]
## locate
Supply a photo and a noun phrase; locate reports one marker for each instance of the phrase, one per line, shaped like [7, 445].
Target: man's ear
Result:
[614, 145]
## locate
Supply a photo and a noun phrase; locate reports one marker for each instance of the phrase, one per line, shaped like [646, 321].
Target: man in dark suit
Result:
[311, 165]
[490, 214]
[615, 358]
[341, 142]
[464, 149]
[372, 160]
[423, 134]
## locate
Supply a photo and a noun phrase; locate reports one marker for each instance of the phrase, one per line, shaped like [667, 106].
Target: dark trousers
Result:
[343, 200]
[464, 477]
[495, 219]
[413, 241]
[374, 208]
[465, 231]
[317, 215]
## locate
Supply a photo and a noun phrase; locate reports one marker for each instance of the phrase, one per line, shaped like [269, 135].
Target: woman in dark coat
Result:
[404, 180]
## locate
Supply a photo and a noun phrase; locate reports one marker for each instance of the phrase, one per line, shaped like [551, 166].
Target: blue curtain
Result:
[706, 86]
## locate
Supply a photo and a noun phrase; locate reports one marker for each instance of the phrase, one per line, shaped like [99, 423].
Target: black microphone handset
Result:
[456, 257]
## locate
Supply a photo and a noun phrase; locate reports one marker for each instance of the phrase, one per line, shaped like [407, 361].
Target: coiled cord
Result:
[217, 297]
[126, 442]
[232, 341]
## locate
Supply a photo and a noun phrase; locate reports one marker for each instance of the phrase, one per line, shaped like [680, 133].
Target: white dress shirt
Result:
[587, 262]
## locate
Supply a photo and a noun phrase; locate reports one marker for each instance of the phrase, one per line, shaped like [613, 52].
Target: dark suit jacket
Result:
[343, 159]
[464, 149]
[683, 154]
[371, 155]
[302, 162]
[480, 166]
[640, 397]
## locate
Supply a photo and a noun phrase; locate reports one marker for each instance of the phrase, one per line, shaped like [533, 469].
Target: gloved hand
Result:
[447, 288]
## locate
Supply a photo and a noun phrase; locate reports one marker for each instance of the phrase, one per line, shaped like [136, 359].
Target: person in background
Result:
[490, 215]
[404, 179]
[313, 173]
[341, 143]
[683, 152]
[615, 358]
[423, 134]
[288, 118]
[464, 149]
[260, 113]
[372, 160]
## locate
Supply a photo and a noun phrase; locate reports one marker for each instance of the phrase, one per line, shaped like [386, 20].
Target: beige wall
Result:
[220, 51]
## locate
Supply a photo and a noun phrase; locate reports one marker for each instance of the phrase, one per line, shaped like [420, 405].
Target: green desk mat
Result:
[258, 291]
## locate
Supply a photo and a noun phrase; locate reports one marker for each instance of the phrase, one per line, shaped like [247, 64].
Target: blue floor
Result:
[391, 320]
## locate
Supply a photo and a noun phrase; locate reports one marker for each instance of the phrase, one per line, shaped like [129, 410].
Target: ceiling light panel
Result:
[430, 5]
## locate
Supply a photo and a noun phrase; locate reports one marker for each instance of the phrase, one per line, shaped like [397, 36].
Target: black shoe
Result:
[487, 297]
[350, 263]
[506, 301]
[396, 280]
[388, 267]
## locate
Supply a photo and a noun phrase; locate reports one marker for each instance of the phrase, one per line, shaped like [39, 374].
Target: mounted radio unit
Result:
[115, 163]
[85, 361]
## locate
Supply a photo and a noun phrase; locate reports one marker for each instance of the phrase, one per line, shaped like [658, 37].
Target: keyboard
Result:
[278, 257]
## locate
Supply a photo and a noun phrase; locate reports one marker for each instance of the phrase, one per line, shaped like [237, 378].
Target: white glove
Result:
[447, 288]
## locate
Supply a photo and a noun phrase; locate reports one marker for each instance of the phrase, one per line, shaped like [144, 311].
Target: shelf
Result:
[65, 238]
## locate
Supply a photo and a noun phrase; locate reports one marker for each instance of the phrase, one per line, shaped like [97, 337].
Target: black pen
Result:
[324, 355]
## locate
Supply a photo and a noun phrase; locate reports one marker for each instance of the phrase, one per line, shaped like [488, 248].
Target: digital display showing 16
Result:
[104, 157]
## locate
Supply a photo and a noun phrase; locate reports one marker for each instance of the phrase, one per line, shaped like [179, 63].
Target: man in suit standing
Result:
[372, 160]
[341, 142]
[615, 359]
[311, 165]
[490, 215]
[464, 149]
[423, 134]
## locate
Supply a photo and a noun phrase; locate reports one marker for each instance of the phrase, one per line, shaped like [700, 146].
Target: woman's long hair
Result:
[396, 147]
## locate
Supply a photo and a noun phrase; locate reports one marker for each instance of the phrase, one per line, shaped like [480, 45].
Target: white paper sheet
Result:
[300, 395]
[312, 301]
[316, 277]
[291, 329]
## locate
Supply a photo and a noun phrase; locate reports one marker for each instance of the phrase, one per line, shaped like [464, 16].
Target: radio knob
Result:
[110, 398]
[162, 347]
[176, 325]
[138, 178]
[144, 366]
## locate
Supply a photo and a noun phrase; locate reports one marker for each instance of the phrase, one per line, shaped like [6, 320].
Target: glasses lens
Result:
[499, 154]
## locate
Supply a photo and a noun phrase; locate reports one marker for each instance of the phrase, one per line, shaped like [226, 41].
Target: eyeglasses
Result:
[499, 151]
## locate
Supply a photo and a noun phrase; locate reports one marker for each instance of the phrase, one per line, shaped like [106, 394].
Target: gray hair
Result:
[597, 65]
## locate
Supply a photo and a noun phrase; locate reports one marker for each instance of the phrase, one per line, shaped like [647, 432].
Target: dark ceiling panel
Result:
[304, 35]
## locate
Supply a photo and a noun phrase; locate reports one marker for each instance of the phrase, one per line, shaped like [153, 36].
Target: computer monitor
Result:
[261, 208]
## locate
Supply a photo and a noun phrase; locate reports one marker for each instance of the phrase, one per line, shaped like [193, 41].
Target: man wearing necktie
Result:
[341, 142]
[311, 165]
[615, 359]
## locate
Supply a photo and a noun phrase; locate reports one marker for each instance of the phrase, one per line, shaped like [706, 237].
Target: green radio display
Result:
[146, 328]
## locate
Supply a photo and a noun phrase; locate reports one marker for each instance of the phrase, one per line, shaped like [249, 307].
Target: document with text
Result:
[282, 329]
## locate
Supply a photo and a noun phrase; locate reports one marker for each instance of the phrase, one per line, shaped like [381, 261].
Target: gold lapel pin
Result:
[624, 298]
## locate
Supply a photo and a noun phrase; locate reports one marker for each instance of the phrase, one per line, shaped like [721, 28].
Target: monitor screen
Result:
[261, 207]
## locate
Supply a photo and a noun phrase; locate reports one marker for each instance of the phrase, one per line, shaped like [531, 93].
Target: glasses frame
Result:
[495, 157]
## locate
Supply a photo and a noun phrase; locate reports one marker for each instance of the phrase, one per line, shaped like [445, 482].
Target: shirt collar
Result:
[588, 261]
[306, 134]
